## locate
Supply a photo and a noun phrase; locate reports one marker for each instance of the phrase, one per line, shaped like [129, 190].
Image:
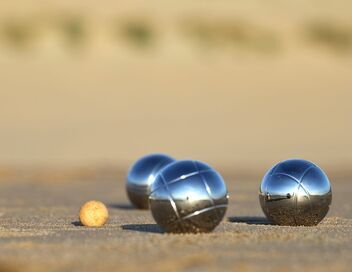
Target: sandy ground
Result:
[231, 105]
[39, 230]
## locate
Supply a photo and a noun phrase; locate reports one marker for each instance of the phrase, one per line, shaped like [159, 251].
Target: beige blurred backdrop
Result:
[233, 83]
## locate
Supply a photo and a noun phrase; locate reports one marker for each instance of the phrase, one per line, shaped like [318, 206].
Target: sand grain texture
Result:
[39, 231]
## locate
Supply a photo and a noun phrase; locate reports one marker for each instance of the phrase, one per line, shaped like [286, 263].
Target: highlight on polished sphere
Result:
[295, 192]
[141, 175]
[188, 196]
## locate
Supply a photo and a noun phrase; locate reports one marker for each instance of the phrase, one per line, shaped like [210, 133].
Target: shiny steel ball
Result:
[141, 175]
[188, 196]
[295, 192]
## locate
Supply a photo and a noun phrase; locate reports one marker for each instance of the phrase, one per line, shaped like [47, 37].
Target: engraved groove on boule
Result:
[295, 192]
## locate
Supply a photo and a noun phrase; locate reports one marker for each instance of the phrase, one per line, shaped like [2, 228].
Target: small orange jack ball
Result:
[93, 214]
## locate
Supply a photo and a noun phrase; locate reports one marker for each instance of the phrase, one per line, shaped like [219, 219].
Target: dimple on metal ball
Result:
[295, 192]
[188, 196]
[141, 175]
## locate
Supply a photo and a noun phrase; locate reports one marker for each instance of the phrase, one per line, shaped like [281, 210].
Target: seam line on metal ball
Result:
[203, 211]
[306, 172]
[272, 172]
[299, 186]
[207, 189]
[295, 179]
[173, 204]
[157, 166]
[306, 191]
[183, 177]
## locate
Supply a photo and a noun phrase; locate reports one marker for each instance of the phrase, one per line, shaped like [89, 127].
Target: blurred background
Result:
[238, 84]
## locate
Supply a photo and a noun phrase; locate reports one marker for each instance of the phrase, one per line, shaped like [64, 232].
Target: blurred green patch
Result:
[73, 30]
[17, 34]
[137, 32]
[233, 34]
[336, 37]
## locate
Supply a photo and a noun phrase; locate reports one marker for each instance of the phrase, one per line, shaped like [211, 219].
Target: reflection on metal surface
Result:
[295, 192]
[141, 175]
[188, 196]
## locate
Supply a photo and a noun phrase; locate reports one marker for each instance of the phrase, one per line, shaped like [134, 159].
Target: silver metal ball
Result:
[141, 175]
[295, 192]
[188, 196]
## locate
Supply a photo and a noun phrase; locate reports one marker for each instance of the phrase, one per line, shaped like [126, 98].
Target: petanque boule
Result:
[295, 192]
[141, 175]
[188, 196]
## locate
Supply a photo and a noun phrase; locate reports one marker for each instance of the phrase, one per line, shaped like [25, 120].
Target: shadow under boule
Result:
[152, 228]
[250, 220]
[76, 224]
[121, 206]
